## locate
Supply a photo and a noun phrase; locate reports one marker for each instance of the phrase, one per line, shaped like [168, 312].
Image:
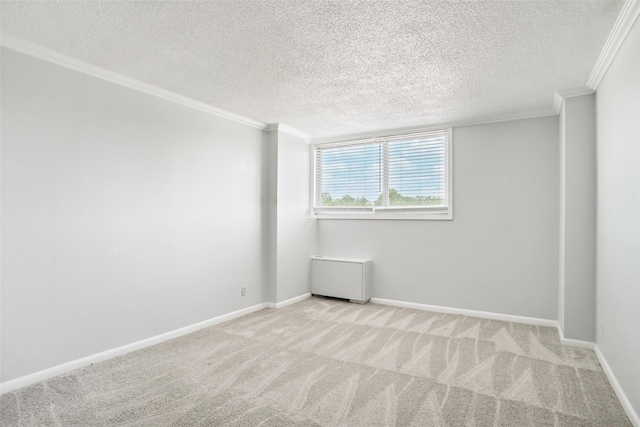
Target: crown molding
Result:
[623, 25]
[432, 127]
[557, 102]
[31, 49]
[561, 95]
[287, 129]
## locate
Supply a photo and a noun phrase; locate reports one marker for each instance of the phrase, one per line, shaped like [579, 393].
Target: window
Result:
[402, 176]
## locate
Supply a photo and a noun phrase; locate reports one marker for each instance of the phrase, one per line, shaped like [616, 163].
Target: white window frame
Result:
[393, 213]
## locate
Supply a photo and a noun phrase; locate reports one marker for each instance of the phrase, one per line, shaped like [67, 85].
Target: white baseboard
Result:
[489, 315]
[45, 374]
[622, 397]
[624, 401]
[109, 354]
[471, 313]
[575, 343]
[289, 301]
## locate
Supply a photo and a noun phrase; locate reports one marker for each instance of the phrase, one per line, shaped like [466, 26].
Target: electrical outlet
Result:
[243, 290]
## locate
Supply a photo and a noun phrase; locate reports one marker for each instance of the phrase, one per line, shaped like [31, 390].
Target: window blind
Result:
[390, 173]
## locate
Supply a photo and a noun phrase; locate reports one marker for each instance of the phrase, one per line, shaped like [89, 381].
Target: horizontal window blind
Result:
[391, 173]
[416, 169]
[349, 175]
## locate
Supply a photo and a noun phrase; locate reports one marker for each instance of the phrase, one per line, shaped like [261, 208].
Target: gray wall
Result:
[500, 252]
[295, 229]
[123, 215]
[577, 286]
[272, 217]
[618, 234]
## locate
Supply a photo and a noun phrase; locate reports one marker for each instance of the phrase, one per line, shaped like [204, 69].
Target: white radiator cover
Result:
[341, 278]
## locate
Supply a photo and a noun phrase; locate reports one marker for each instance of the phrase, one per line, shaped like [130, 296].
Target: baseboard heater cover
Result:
[345, 278]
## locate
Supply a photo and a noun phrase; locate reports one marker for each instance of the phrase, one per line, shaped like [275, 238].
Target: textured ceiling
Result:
[336, 67]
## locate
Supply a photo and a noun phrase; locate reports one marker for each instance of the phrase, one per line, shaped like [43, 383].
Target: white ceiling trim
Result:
[561, 95]
[627, 17]
[14, 43]
[426, 128]
[22, 46]
[287, 129]
[557, 102]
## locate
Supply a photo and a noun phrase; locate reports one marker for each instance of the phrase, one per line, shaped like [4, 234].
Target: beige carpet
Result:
[332, 363]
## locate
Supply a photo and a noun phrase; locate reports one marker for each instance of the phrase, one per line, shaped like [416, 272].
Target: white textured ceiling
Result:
[336, 67]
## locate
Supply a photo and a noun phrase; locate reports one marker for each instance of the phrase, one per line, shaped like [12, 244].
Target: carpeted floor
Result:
[333, 363]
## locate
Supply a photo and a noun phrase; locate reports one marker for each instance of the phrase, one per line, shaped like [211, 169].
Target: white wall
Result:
[123, 215]
[577, 285]
[500, 252]
[272, 217]
[618, 234]
[295, 231]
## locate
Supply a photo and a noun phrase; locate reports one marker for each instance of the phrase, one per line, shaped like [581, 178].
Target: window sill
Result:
[397, 216]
